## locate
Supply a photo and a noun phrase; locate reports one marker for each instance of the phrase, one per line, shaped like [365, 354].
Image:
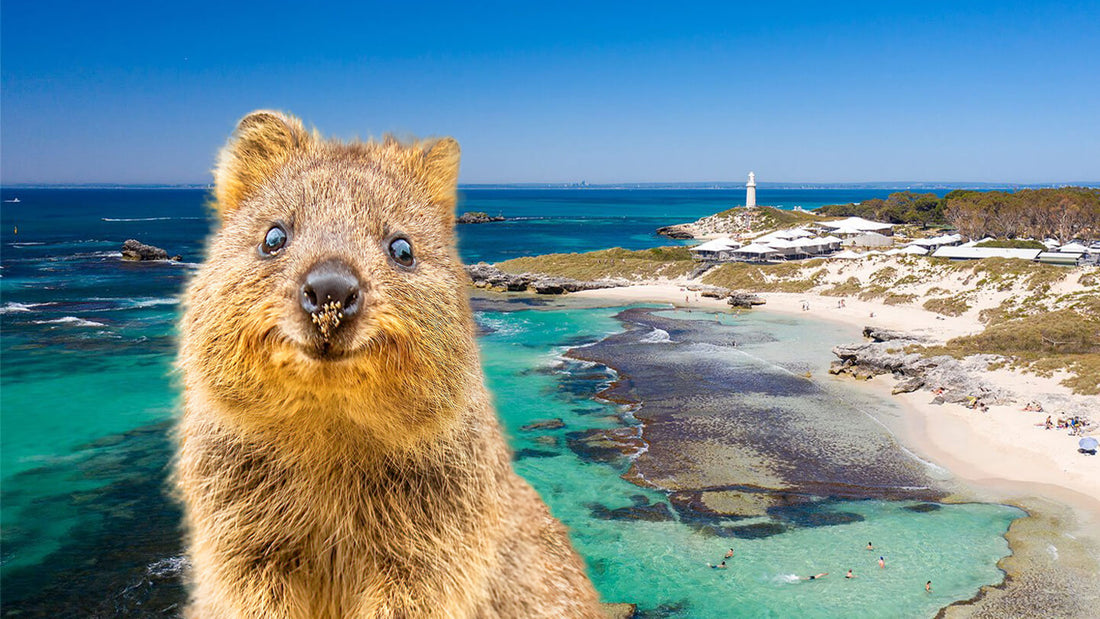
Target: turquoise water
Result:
[661, 565]
[87, 398]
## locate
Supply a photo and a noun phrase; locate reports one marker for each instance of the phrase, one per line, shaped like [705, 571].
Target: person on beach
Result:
[817, 576]
[882, 562]
[1049, 424]
[849, 574]
[928, 586]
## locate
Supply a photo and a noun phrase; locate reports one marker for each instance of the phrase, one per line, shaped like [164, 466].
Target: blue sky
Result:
[146, 92]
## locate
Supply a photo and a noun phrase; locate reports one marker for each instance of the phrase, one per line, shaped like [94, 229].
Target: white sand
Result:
[1001, 452]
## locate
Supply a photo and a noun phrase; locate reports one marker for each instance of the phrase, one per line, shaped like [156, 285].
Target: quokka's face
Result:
[333, 281]
[341, 258]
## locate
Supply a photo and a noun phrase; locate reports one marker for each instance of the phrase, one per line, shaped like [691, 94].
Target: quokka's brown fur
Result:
[362, 475]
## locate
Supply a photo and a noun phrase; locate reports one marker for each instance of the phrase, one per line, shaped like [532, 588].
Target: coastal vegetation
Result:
[1013, 244]
[1064, 214]
[614, 263]
[742, 221]
[781, 277]
[1044, 342]
[903, 207]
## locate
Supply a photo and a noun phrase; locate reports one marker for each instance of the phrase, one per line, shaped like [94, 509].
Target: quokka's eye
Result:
[274, 240]
[402, 252]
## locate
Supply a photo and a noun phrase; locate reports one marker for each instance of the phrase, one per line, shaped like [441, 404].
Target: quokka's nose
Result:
[330, 294]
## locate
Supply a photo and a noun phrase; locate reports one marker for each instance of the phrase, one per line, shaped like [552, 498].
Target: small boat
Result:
[13, 200]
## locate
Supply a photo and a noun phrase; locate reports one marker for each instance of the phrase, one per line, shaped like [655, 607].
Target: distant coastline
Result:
[717, 185]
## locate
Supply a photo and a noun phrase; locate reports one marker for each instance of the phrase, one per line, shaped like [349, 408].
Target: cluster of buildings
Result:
[840, 239]
[811, 241]
[827, 238]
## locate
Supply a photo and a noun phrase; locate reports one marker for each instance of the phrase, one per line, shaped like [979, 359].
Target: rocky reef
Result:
[137, 251]
[477, 217]
[677, 231]
[484, 275]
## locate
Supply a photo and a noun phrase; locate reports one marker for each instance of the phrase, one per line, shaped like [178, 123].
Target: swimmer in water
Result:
[882, 562]
[928, 586]
[849, 574]
[729, 555]
[817, 576]
[870, 546]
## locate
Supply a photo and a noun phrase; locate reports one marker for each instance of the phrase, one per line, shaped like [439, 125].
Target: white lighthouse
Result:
[750, 190]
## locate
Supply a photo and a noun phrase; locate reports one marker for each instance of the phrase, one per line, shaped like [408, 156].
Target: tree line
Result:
[1064, 214]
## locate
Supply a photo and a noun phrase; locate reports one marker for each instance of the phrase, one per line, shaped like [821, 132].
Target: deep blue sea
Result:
[87, 402]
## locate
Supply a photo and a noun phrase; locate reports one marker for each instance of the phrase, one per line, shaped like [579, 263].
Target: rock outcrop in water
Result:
[484, 275]
[137, 251]
[477, 217]
[677, 231]
[953, 380]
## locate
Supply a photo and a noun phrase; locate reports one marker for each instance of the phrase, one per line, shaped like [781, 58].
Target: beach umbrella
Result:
[1088, 443]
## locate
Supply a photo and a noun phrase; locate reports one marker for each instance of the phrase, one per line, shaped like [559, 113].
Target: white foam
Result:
[116, 219]
[12, 307]
[70, 320]
[168, 567]
[153, 302]
[657, 336]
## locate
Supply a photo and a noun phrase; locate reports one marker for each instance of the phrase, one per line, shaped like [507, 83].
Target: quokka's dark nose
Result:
[330, 294]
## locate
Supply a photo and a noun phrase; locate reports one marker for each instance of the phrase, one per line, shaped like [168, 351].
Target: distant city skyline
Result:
[801, 93]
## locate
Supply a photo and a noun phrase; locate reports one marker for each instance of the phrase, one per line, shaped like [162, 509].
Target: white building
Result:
[750, 190]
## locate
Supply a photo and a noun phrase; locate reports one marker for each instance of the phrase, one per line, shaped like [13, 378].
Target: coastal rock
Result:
[544, 424]
[484, 275]
[137, 251]
[908, 386]
[477, 217]
[678, 231]
[953, 380]
[619, 610]
[608, 445]
[744, 299]
[879, 334]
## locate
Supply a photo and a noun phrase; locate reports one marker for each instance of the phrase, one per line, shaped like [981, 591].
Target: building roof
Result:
[755, 248]
[972, 253]
[857, 223]
[944, 239]
[721, 244]
[1073, 248]
[1055, 257]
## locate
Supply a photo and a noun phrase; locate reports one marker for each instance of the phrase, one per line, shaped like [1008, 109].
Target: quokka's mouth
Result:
[327, 351]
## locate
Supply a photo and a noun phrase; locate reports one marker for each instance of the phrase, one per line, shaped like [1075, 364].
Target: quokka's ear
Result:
[262, 142]
[441, 172]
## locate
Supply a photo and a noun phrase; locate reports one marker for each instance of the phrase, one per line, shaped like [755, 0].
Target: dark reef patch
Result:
[924, 508]
[126, 561]
[534, 453]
